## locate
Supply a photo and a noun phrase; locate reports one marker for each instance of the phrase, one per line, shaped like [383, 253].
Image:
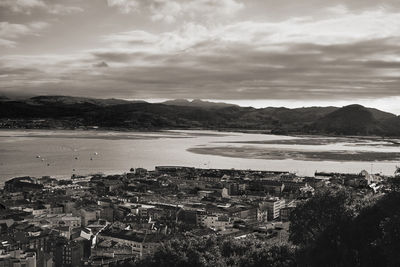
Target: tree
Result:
[276, 256]
[394, 183]
[372, 238]
[323, 211]
[391, 240]
[373, 230]
[212, 252]
[193, 252]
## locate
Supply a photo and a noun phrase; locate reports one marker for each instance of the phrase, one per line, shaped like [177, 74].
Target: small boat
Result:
[91, 158]
[96, 153]
[42, 159]
[76, 157]
[38, 156]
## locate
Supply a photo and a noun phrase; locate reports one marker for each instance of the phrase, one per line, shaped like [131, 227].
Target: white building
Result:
[273, 207]
[215, 222]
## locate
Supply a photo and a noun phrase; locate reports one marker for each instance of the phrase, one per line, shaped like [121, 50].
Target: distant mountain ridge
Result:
[77, 112]
[197, 103]
[70, 100]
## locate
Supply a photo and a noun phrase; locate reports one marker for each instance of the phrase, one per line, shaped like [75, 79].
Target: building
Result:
[69, 207]
[140, 171]
[18, 258]
[243, 212]
[273, 187]
[141, 244]
[179, 171]
[89, 215]
[107, 214]
[52, 220]
[215, 222]
[273, 207]
[45, 209]
[28, 237]
[66, 253]
[22, 184]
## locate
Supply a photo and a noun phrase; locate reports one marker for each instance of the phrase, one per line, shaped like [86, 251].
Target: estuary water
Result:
[61, 153]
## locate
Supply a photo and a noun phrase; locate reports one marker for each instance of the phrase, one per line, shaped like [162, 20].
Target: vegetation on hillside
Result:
[69, 112]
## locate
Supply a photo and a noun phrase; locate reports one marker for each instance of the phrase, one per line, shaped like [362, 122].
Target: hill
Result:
[354, 120]
[70, 112]
[391, 126]
[69, 100]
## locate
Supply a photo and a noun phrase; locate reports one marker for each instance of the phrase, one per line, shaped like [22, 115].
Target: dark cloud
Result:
[102, 64]
[118, 56]
[300, 71]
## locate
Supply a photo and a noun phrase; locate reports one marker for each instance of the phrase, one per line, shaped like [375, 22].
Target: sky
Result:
[257, 53]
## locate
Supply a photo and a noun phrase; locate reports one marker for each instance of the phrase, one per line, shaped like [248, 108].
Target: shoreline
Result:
[222, 130]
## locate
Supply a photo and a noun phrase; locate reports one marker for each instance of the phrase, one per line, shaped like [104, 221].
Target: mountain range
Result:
[77, 112]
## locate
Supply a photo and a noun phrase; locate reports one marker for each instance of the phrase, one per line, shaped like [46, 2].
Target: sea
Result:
[62, 153]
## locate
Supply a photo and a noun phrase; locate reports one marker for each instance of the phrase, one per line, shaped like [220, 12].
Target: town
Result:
[111, 220]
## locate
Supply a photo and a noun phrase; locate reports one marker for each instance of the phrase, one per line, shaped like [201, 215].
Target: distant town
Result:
[117, 220]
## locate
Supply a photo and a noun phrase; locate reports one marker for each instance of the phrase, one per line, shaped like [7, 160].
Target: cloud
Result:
[260, 60]
[7, 43]
[230, 70]
[131, 39]
[27, 6]
[125, 6]
[170, 10]
[350, 27]
[22, 5]
[346, 56]
[9, 32]
[101, 64]
[63, 10]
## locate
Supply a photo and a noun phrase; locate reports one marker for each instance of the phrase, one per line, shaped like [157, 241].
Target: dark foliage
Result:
[202, 252]
[336, 237]
[325, 211]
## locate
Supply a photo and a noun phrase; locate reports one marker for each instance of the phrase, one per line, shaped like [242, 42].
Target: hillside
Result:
[349, 120]
[355, 120]
[68, 100]
[70, 112]
[391, 126]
